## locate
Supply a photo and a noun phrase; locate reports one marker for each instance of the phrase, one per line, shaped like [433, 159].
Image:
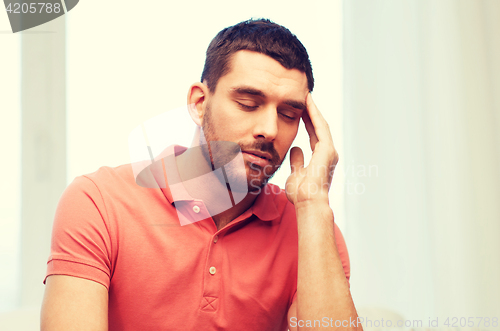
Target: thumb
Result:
[296, 159]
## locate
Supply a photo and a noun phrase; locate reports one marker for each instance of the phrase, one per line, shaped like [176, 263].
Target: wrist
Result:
[313, 211]
[313, 204]
[314, 219]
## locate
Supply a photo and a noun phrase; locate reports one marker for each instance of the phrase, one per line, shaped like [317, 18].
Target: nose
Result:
[266, 125]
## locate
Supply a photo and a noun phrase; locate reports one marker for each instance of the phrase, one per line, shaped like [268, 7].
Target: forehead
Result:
[263, 72]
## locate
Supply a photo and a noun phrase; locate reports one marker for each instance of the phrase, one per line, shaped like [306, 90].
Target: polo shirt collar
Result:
[264, 207]
[171, 172]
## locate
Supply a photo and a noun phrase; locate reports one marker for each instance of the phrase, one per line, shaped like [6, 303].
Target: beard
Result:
[220, 153]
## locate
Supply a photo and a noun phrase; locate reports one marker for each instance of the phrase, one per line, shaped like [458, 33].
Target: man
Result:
[122, 258]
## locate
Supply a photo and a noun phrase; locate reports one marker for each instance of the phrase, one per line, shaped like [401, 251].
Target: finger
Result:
[313, 139]
[319, 123]
[296, 159]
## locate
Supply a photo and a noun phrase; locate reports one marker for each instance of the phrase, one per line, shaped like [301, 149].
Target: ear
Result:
[197, 99]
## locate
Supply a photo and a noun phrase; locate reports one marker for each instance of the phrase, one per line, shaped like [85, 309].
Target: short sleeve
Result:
[344, 256]
[81, 244]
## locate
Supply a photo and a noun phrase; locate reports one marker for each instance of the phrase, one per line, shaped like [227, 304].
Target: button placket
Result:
[212, 276]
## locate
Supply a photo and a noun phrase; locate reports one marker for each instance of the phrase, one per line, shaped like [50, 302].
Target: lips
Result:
[257, 158]
[262, 155]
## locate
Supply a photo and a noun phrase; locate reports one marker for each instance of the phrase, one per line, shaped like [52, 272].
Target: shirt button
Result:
[215, 239]
[212, 270]
[196, 209]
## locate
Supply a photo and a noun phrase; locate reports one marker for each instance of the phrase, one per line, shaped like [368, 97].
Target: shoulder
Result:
[87, 195]
[113, 182]
[107, 176]
[109, 190]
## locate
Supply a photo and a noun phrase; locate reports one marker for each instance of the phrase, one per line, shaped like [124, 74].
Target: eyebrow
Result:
[255, 92]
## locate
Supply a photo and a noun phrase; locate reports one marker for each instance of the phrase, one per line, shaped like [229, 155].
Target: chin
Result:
[256, 182]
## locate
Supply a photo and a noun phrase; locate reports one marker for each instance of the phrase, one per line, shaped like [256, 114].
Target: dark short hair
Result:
[261, 35]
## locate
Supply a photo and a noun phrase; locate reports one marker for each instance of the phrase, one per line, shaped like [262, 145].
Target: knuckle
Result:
[332, 152]
[333, 155]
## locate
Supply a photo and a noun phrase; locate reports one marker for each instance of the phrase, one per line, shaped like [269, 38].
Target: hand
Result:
[312, 183]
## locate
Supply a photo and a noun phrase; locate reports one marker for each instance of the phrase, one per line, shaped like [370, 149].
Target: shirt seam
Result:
[106, 221]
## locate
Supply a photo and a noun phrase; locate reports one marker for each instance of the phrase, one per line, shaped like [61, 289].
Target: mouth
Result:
[260, 159]
[262, 155]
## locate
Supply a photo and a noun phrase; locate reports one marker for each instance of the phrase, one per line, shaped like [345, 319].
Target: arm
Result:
[79, 266]
[322, 291]
[74, 304]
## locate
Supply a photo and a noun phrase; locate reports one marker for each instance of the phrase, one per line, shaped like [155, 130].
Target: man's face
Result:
[257, 105]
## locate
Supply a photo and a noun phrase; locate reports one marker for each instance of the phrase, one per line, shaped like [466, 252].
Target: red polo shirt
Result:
[164, 276]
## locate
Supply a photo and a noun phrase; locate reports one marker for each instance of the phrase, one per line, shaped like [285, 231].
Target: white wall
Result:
[421, 96]
[10, 164]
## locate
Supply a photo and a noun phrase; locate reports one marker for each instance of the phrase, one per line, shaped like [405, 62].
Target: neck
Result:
[226, 217]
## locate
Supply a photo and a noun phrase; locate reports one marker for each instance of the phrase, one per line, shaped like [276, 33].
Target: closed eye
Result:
[290, 118]
[284, 115]
[242, 105]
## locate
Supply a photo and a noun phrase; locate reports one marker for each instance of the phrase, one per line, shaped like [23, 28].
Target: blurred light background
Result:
[411, 89]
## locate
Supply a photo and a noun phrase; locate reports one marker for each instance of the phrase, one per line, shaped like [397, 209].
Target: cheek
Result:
[231, 122]
[287, 136]
[288, 133]
[229, 128]
[219, 120]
